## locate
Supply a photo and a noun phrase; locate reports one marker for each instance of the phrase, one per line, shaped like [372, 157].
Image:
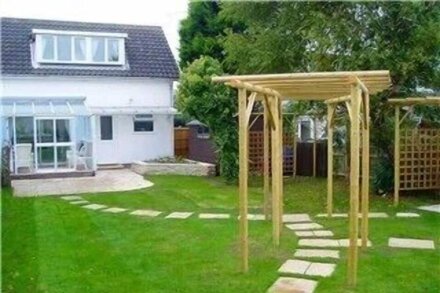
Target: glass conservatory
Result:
[48, 135]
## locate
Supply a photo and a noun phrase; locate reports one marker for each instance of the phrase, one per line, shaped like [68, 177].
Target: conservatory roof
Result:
[310, 86]
[43, 106]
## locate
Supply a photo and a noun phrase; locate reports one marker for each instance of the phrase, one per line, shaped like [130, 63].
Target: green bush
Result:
[213, 104]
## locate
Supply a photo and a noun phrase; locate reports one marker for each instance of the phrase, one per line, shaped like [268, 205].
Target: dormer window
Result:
[63, 47]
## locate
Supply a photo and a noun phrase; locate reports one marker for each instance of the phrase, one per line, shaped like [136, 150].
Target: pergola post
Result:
[396, 154]
[280, 147]
[266, 166]
[330, 112]
[365, 168]
[276, 225]
[243, 177]
[354, 185]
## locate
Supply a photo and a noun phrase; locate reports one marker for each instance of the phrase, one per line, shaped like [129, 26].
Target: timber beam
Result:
[253, 88]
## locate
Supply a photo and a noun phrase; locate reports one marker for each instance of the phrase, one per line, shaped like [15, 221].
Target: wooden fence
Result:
[419, 159]
[181, 138]
[304, 156]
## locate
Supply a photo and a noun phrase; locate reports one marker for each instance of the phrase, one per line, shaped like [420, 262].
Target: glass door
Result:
[54, 145]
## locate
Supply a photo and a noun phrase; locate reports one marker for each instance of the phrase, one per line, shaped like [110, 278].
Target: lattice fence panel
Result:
[419, 159]
[256, 152]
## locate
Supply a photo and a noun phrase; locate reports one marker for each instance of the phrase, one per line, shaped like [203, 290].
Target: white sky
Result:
[166, 13]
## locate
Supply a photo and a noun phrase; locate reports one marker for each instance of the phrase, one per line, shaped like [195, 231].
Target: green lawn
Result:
[49, 245]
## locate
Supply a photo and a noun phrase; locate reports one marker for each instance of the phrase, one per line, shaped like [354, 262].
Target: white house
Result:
[76, 95]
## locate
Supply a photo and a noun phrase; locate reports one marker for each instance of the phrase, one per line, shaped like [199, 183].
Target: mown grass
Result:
[49, 245]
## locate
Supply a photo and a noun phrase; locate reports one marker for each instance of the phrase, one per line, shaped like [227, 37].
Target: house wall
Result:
[127, 146]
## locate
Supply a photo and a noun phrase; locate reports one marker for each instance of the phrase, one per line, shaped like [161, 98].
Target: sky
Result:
[165, 13]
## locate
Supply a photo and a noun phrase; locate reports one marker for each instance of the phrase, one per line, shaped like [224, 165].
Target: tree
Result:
[214, 105]
[402, 37]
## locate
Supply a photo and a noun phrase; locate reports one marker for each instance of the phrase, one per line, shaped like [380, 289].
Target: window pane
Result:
[45, 130]
[47, 47]
[142, 126]
[45, 157]
[63, 130]
[65, 157]
[64, 48]
[98, 49]
[24, 127]
[80, 49]
[106, 127]
[113, 50]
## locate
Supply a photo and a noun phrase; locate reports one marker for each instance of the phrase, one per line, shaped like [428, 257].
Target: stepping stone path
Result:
[305, 226]
[342, 215]
[296, 218]
[114, 210]
[433, 208]
[179, 215]
[72, 197]
[316, 233]
[293, 285]
[94, 206]
[214, 216]
[410, 243]
[407, 215]
[78, 202]
[254, 217]
[304, 262]
[316, 253]
[146, 213]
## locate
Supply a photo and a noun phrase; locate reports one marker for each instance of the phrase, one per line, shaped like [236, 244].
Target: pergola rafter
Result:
[351, 87]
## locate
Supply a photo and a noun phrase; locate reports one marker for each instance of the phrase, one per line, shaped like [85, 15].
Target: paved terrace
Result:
[104, 181]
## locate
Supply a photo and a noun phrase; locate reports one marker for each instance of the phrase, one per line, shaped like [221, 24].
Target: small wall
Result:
[192, 168]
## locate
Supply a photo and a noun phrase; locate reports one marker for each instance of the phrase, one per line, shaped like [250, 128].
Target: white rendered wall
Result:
[126, 146]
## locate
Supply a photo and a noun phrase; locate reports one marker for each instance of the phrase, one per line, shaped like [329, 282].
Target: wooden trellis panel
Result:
[256, 158]
[419, 159]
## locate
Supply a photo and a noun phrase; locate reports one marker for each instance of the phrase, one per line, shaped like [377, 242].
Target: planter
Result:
[191, 168]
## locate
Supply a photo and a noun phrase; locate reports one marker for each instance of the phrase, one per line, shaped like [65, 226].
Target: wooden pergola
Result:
[350, 87]
[416, 164]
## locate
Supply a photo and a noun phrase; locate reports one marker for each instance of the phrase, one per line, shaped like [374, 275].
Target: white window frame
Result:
[139, 118]
[88, 53]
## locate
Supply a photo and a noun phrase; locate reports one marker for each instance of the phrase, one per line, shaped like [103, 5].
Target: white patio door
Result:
[54, 144]
[107, 149]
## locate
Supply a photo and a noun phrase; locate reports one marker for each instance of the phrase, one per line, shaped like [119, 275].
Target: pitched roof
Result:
[147, 50]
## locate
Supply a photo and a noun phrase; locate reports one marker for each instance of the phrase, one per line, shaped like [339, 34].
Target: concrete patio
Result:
[104, 181]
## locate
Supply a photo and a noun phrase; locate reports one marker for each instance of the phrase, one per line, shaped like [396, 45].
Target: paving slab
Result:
[79, 202]
[146, 213]
[72, 197]
[179, 215]
[114, 210]
[344, 215]
[320, 269]
[254, 217]
[294, 266]
[304, 233]
[376, 215]
[432, 208]
[315, 233]
[94, 206]
[318, 242]
[304, 226]
[346, 242]
[214, 216]
[293, 285]
[323, 233]
[407, 215]
[296, 218]
[334, 215]
[410, 243]
[322, 253]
